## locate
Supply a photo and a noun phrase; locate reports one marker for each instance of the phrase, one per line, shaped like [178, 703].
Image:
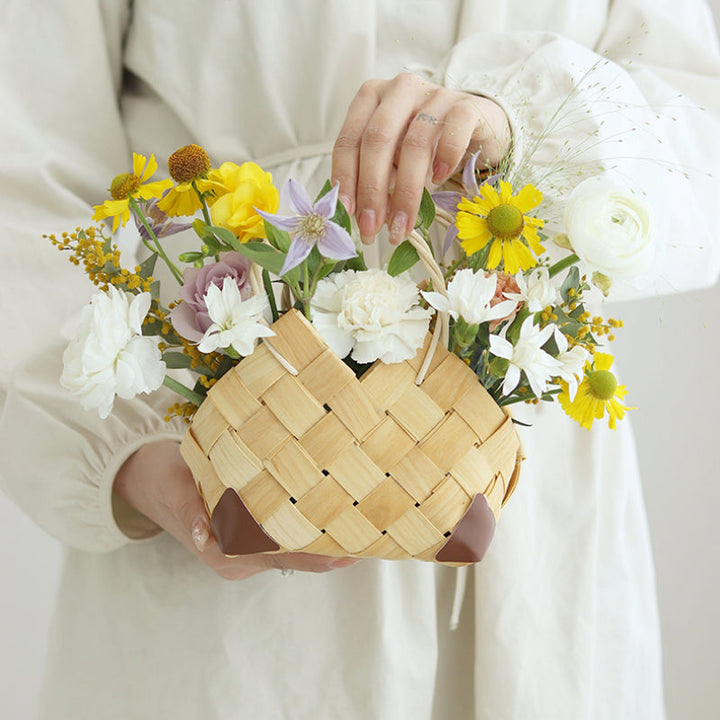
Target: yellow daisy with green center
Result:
[131, 185]
[597, 393]
[500, 218]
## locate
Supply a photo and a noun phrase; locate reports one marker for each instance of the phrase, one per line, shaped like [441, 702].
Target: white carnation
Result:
[610, 229]
[371, 314]
[108, 355]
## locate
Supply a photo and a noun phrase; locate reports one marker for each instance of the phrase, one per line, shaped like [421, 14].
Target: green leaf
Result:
[264, 255]
[202, 229]
[155, 290]
[148, 266]
[356, 263]
[225, 236]
[276, 237]
[404, 257]
[572, 280]
[176, 360]
[324, 190]
[342, 218]
[426, 213]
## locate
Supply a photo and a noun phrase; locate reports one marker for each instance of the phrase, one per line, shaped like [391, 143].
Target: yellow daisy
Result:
[187, 165]
[597, 393]
[131, 185]
[501, 218]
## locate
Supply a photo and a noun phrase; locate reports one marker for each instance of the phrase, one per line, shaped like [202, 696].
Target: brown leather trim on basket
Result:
[472, 536]
[236, 530]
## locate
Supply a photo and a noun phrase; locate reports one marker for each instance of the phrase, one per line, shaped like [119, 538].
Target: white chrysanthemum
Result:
[527, 356]
[236, 323]
[469, 296]
[371, 314]
[536, 289]
[108, 355]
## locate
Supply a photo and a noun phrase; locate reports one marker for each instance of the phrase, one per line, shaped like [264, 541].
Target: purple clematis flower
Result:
[448, 200]
[311, 225]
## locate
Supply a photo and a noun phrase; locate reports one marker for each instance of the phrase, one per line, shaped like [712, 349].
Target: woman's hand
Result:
[156, 482]
[400, 133]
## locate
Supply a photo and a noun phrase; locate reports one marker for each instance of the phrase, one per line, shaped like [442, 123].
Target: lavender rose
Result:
[190, 318]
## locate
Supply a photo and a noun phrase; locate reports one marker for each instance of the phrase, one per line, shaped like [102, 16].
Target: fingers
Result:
[346, 152]
[399, 134]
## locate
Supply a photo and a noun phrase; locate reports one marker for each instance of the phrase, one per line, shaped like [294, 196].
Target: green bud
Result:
[602, 282]
[563, 241]
[499, 366]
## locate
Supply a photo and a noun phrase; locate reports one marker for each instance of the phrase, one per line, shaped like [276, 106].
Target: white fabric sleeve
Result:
[61, 141]
[60, 461]
[647, 112]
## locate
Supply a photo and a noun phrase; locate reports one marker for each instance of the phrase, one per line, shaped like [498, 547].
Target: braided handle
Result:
[442, 321]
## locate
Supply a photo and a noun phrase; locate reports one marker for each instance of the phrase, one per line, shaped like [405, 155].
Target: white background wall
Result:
[677, 426]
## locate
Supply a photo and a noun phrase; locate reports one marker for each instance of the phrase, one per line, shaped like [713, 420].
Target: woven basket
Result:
[292, 452]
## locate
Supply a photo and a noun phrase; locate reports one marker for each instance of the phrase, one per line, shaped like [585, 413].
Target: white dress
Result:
[560, 619]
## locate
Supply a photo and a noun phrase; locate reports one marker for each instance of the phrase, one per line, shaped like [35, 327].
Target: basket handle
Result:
[442, 321]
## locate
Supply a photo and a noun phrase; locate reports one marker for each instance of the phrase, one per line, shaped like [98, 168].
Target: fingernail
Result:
[368, 228]
[440, 172]
[347, 202]
[398, 227]
[344, 562]
[200, 534]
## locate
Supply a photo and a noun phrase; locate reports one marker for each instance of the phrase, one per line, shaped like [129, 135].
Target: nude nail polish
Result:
[398, 227]
[367, 225]
[200, 534]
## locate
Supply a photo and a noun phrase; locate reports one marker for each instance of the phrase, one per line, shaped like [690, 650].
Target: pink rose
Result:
[190, 318]
[505, 283]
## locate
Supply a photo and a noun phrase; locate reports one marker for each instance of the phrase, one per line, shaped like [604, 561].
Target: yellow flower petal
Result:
[180, 200]
[516, 257]
[603, 361]
[527, 199]
[530, 234]
[506, 195]
[490, 194]
[496, 254]
[154, 189]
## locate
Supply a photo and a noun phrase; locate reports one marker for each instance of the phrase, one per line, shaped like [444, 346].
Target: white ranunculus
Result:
[108, 355]
[371, 314]
[236, 323]
[536, 289]
[469, 296]
[610, 229]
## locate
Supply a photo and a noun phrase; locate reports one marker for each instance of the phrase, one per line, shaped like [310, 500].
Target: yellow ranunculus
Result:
[239, 189]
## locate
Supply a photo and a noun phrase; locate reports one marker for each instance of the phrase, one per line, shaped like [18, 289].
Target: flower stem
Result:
[270, 294]
[563, 264]
[205, 211]
[176, 273]
[195, 398]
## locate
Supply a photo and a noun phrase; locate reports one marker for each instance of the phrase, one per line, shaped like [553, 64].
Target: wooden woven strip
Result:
[294, 469]
[293, 405]
[385, 504]
[326, 440]
[325, 463]
[258, 371]
[387, 444]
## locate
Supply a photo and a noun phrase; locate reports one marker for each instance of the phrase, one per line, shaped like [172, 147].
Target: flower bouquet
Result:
[339, 409]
